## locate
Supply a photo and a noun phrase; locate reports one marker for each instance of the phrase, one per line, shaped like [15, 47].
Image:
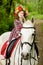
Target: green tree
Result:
[40, 6]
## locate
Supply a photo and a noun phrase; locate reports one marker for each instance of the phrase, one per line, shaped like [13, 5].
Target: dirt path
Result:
[39, 38]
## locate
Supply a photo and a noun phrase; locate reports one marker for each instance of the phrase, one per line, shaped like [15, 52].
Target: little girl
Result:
[20, 15]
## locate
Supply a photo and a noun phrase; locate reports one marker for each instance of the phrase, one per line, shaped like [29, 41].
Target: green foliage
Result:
[33, 6]
[7, 7]
[36, 15]
[3, 28]
[29, 7]
[40, 7]
[6, 23]
[11, 22]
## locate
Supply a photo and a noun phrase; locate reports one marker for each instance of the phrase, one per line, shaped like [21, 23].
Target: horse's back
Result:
[3, 38]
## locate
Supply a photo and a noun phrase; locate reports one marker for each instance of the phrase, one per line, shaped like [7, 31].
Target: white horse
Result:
[24, 53]
[3, 38]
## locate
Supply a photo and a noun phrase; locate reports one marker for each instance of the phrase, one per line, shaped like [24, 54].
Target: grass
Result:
[42, 26]
[36, 15]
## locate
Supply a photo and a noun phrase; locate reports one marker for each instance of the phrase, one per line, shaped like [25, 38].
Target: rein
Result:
[26, 43]
[31, 48]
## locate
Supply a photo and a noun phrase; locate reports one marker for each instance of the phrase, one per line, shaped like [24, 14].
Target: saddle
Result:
[11, 47]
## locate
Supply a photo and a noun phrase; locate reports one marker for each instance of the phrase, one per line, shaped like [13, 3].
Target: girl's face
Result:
[21, 14]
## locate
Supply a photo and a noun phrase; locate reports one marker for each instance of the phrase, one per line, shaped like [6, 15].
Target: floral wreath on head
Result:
[20, 8]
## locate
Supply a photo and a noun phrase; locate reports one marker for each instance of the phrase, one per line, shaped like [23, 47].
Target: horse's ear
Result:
[32, 20]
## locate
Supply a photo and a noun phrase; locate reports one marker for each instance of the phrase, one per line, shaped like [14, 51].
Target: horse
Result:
[3, 38]
[24, 52]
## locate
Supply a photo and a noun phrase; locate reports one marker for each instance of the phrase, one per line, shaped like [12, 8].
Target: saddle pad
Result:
[5, 46]
[3, 49]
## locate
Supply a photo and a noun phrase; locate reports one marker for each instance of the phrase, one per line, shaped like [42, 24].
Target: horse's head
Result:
[27, 38]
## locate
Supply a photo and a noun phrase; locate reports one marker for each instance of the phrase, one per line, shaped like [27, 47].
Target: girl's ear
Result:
[32, 20]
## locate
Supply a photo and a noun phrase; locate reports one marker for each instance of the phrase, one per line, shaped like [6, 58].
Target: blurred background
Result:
[7, 7]
[35, 9]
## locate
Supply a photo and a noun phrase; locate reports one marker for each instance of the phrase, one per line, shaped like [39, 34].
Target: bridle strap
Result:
[29, 27]
[27, 43]
[34, 58]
